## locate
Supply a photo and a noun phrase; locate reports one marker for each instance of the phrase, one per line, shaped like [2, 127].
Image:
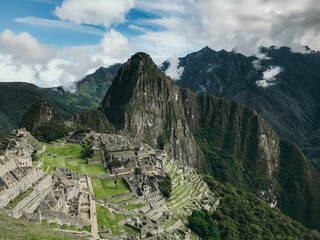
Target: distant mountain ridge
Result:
[291, 106]
[16, 97]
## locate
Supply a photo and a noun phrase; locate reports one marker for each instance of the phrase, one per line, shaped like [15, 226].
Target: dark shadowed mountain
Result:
[16, 97]
[291, 106]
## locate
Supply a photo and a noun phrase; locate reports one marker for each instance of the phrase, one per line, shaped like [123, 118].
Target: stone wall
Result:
[31, 202]
[7, 167]
[15, 189]
[59, 217]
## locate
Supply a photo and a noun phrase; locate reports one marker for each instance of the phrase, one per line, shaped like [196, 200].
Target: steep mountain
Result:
[15, 98]
[43, 122]
[220, 137]
[291, 105]
[93, 119]
[143, 101]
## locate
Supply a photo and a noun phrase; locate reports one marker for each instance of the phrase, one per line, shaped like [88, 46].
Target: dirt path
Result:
[93, 214]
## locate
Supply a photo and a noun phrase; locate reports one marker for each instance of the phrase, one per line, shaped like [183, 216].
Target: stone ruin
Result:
[66, 197]
[17, 174]
[68, 202]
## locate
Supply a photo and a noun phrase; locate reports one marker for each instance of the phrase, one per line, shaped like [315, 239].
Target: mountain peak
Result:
[145, 103]
[206, 49]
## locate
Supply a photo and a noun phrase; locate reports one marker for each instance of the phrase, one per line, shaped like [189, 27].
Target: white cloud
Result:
[269, 77]
[99, 12]
[248, 24]
[174, 70]
[59, 24]
[115, 45]
[175, 6]
[25, 49]
[23, 58]
[137, 28]
[160, 45]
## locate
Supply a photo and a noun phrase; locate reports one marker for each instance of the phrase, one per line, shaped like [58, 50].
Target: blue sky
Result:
[57, 42]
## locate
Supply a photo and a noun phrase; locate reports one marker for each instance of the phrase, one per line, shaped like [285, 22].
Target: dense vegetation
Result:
[203, 225]
[51, 131]
[43, 122]
[300, 186]
[228, 138]
[313, 153]
[243, 215]
[165, 186]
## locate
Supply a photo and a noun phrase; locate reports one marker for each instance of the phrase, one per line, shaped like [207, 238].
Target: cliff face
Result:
[226, 139]
[228, 131]
[144, 102]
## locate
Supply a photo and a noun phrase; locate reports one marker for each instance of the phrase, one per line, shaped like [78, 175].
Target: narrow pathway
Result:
[93, 213]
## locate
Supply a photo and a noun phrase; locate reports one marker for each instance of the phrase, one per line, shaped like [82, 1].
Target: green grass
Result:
[18, 199]
[122, 200]
[77, 165]
[66, 227]
[170, 223]
[104, 188]
[105, 217]
[18, 229]
[134, 206]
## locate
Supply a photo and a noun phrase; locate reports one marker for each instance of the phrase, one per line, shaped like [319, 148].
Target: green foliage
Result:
[5, 126]
[35, 120]
[51, 131]
[87, 151]
[162, 141]
[165, 186]
[227, 166]
[202, 224]
[34, 156]
[81, 130]
[313, 153]
[97, 121]
[244, 216]
[300, 186]
[115, 164]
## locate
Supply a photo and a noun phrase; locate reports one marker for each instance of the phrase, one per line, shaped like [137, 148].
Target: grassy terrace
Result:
[105, 188]
[110, 220]
[65, 227]
[106, 218]
[134, 206]
[69, 150]
[17, 229]
[18, 199]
